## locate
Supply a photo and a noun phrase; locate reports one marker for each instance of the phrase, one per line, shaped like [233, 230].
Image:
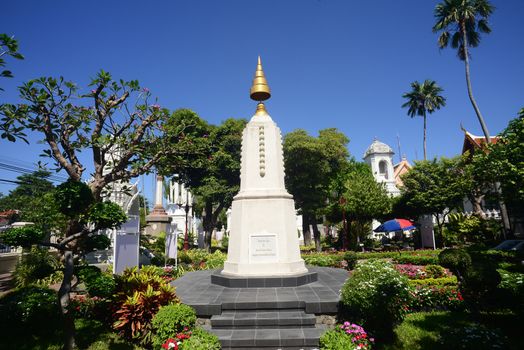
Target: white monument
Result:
[263, 237]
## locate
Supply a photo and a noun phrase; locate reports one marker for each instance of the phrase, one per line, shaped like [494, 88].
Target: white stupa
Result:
[263, 234]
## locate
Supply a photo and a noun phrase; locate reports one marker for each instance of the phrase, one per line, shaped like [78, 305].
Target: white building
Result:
[380, 157]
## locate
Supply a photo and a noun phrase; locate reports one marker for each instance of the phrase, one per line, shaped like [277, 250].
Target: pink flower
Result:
[155, 106]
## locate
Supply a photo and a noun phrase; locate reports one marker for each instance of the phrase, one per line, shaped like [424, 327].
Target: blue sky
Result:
[342, 64]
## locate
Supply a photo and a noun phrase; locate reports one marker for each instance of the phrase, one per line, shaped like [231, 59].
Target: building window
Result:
[383, 169]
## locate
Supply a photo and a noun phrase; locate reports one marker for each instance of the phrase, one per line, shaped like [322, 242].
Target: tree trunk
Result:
[63, 298]
[425, 153]
[305, 229]
[439, 225]
[208, 225]
[468, 81]
[316, 234]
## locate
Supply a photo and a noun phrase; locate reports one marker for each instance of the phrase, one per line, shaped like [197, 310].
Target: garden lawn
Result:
[90, 335]
[428, 330]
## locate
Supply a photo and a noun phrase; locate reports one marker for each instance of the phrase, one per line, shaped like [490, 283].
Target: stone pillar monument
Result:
[158, 220]
[263, 238]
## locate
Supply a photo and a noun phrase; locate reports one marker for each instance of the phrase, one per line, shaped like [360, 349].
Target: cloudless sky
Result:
[342, 64]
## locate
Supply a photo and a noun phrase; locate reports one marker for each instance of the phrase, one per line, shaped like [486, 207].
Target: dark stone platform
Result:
[264, 317]
[262, 282]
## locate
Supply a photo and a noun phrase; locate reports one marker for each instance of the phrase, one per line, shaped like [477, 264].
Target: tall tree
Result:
[214, 174]
[422, 99]
[462, 22]
[434, 187]
[504, 163]
[122, 129]
[364, 199]
[311, 164]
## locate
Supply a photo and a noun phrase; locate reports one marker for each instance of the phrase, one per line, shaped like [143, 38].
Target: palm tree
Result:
[462, 21]
[423, 98]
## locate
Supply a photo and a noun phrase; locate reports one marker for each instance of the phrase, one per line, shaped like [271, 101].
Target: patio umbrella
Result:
[395, 225]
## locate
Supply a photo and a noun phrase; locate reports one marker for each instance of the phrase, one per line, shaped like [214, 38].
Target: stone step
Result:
[263, 319]
[269, 338]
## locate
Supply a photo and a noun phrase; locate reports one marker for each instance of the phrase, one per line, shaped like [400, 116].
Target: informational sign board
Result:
[263, 247]
[171, 242]
[125, 251]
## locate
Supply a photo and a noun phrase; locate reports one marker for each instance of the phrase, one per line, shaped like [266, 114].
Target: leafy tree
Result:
[120, 127]
[311, 164]
[364, 199]
[33, 198]
[213, 175]
[462, 22]
[8, 47]
[504, 163]
[434, 187]
[424, 98]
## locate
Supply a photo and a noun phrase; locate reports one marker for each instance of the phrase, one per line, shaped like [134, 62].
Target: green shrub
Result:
[35, 266]
[457, 260]
[29, 308]
[479, 286]
[351, 259]
[435, 271]
[389, 255]
[87, 272]
[193, 256]
[170, 320]
[102, 286]
[200, 340]
[98, 284]
[225, 242]
[376, 295]
[511, 290]
[323, 259]
[215, 260]
[416, 259]
[436, 282]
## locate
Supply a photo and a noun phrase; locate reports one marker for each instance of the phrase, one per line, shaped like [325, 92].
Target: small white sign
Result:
[263, 248]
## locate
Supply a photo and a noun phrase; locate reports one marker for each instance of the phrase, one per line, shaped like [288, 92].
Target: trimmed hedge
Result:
[417, 259]
[437, 282]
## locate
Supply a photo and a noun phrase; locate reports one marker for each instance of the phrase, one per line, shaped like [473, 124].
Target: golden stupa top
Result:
[260, 89]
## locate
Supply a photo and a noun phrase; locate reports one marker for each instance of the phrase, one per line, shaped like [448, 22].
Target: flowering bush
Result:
[172, 320]
[431, 297]
[173, 343]
[347, 336]
[377, 295]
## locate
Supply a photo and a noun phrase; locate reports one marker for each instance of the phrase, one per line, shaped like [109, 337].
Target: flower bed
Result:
[420, 272]
[348, 336]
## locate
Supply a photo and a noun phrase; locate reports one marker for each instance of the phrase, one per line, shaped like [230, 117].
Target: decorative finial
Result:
[260, 90]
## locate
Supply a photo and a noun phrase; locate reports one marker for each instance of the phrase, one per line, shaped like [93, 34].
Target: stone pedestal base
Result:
[157, 223]
[263, 240]
[263, 282]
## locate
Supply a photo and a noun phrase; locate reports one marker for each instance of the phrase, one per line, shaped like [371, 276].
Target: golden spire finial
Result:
[260, 90]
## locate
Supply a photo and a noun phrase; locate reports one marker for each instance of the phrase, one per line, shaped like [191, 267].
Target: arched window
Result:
[383, 169]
